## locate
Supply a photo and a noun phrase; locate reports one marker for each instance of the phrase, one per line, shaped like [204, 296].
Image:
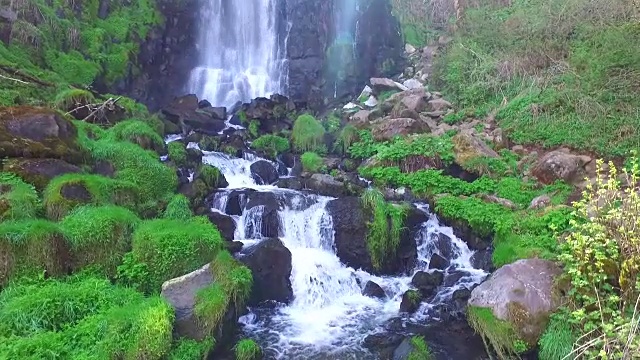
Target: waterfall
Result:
[241, 51]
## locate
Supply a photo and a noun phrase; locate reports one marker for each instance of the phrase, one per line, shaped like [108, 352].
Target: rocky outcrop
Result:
[270, 263]
[387, 129]
[523, 294]
[7, 18]
[326, 185]
[264, 173]
[561, 165]
[372, 289]
[224, 223]
[39, 171]
[35, 133]
[185, 112]
[427, 282]
[467, 147]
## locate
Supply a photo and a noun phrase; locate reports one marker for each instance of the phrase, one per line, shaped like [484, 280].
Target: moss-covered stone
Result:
[67, 192]
[99, 237]
[18, 200]
[32, 132]
[31, 247]
[39, 172]
[139, 133]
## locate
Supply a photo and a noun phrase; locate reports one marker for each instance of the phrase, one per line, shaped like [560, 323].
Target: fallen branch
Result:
[12, 79]
[21, 74]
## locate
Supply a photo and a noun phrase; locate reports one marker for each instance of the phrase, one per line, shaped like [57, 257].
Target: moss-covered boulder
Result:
[31, 247]
[83, 318]
[164, 249]
[469, 150]
[139, 133]
[512, 308]
[33, 132]
[39, 172]
[18, 200]
[67, 192]
[98, 237]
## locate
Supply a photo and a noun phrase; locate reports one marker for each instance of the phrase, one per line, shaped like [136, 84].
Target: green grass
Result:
[99, 237]
[137, 132]
[68, 99]
[187, 349]
[164, 249]
[177, 153]
[178, 208]
[272, 145]
[18, 200]
[211, 176]
[557, 340]
[308, 134]
[420, 350]
[28, 248]
[563, 68]
[312, 162]
[230, 291]
[247, 349]
[385, 228]
[498, 334]
[82, 319]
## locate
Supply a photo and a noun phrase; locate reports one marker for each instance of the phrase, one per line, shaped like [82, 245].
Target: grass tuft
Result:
[18, 200]
[420, 350]
[178, 208]
[308, 134]
[312, 162]
[247, 349]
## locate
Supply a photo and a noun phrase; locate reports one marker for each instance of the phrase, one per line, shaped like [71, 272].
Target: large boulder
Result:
[361, 119]
[523, 294]
[273, 114]
[33, 133]
[326, 185]
[225, 224]
[561, 165]
[185, 112]
[410, 106]
[270, 263]
[39, 171]
[380, 85]
[264, 205]
[264, 172]
[467, 147]
[427, 282]
[180, 293]
[374, 290]
[387, 129]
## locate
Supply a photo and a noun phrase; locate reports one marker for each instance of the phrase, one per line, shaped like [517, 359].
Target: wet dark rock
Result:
[234, 247]
[270, 224]
[438, 262]
[225, 224]
[194, 157]
[482, 260]
[204, 104]
[264, 173]
[444, 245]
[270, 264]
[383, 344]
[452, 278]
[217, 113]
[185, 112]
[403, 350]
[426, 282]
[372, 289]
[461, 295]
[350, 226]
[290, 183]
[326, 185]
[183, 176]
[237, 201]
[410, 301]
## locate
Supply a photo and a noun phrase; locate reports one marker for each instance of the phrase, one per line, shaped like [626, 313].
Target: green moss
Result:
[137, 132]
[308, 134]
[500, 335]
[254, 128]
[420, 349]
[209, 143]
[99, 236]
[28, 248]
[247, 349]
[170, 248]
[83, 319]
[177, 153]
[211, 176]
[383, 237]
[178, 208]
[66, 192]
[187, 349]
[18, 200]
[230, 291]
[312, 162]
[272, 145]
[70, 99]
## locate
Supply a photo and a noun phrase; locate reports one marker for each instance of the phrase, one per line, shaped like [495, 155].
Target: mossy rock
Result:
[18, 200]
[139, 133]
[67, 192]
[30, 248]
[168, 248]
[32, 132]
[99, 236]
[39, 172]
[211, 176]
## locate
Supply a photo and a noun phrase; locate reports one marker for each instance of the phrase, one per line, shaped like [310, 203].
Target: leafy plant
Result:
[272, 145]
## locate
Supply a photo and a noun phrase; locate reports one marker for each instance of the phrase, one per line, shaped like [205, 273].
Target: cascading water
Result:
[328, 317]
[242, 51]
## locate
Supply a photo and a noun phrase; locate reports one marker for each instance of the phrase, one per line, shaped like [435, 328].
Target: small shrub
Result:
[308, 134]
[312, 162]
[178, 208]
[272, 145]
[177, 153]
[18, 200]
[247, 349]
[99, 236]
[170, 248]
[332, 123]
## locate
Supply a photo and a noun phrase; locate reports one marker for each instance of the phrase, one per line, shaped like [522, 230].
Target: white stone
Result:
[409, 49]
[412, 84]
[371, 102]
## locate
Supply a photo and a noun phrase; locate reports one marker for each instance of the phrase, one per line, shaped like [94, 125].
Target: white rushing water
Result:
[328, 317]
[242, 56]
